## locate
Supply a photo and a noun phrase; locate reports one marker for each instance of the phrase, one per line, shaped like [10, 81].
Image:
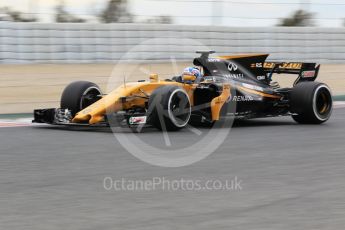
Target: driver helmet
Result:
[191, 71]
[190, 74]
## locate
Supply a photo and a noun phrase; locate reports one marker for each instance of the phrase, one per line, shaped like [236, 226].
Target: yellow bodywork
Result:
[135, 95]
[218, 102]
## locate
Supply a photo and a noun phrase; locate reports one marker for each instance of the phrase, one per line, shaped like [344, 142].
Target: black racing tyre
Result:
[79, 95]
[311, 103]
[169, 108]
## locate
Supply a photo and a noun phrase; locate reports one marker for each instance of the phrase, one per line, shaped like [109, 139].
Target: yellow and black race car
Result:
[239, 86]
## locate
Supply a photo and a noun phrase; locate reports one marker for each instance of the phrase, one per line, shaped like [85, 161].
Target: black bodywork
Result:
[250, 77]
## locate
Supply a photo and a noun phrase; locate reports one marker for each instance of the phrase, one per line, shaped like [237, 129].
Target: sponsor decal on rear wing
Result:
[289, 66]
[285, 66]
[305, 71]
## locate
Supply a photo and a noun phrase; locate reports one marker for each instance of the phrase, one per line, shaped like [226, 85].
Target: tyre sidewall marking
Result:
[316, 113]
[85, 92]
[171, 116]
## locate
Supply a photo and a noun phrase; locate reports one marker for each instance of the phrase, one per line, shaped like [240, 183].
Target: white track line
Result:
[21, 122]
[339, 104]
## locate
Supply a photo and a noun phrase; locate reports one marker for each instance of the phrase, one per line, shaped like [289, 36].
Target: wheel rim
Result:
[89, 97]
[179, 108]
[322, 103]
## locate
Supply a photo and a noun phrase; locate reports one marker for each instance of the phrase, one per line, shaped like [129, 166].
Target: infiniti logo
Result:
[232, 66]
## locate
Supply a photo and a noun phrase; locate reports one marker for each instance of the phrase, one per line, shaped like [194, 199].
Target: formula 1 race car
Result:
[240, 86]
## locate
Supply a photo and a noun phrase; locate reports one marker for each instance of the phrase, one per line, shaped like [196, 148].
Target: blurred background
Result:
[90, 31]
[45, 44]
[52, 178]
[184, 12]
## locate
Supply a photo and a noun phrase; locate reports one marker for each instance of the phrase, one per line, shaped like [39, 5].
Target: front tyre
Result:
[169, 108]
[311, 103]
[79, 95]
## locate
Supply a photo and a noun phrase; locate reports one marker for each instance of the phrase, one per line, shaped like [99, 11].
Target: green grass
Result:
[339, 98]
[15, 115]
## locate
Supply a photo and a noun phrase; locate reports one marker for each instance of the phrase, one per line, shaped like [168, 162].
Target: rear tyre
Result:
[169, 108]
[79, 95]
[311, 103]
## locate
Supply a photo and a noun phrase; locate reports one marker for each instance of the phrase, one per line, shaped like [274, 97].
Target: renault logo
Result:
[232, 66]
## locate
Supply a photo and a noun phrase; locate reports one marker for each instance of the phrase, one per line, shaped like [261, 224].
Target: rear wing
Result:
[305, 71]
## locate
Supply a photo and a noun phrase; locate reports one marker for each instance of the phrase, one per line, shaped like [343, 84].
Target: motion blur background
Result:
[52, 178]
[45, 44]
[184, 12]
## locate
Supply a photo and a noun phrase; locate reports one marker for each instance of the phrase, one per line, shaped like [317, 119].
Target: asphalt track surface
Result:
[292, 178]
